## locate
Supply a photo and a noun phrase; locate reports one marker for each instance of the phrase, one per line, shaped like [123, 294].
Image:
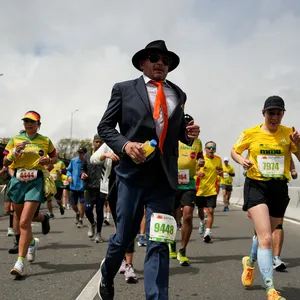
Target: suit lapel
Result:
[142, 91]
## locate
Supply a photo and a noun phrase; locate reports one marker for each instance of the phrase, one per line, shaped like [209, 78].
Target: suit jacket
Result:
[129, 107]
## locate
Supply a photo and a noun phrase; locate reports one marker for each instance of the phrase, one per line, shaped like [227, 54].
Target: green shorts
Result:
[20, 192]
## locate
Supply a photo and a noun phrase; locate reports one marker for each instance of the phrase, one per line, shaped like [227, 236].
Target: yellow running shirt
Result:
[37, 147]
[207, 185]
[270, 153]
[227, 179]
[187, 164]
[56, 173]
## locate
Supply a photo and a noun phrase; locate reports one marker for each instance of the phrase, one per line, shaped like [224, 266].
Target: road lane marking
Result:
[90, 290]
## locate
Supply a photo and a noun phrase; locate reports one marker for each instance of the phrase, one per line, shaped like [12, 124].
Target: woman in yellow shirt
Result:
[269, 147]
[28, 154]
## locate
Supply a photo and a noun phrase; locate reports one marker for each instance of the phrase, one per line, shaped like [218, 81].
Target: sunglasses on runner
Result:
[29, 121]
[272, 113]
[211, 147]
[154, 58]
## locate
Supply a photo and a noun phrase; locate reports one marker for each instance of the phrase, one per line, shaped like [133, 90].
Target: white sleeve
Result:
[95, 158]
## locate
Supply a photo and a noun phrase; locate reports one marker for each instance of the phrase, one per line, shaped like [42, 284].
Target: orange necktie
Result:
[161, 102]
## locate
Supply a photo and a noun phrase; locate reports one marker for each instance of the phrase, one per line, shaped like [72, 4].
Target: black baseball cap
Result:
[97, 137]
[274, 102]
[82, 149]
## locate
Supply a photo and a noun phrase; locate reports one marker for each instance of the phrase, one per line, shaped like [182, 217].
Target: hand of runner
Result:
[201, 162]
[20, 147]
[192, 130]
[44, 160]
[70, 179]
[112, 156]
[200, 174]
[84, 176]
[135, 151]
[295, 137]
[294, 174]
[219, 171]
[247, 164]
[3, 170]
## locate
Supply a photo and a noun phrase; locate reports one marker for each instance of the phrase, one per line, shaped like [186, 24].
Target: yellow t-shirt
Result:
[207, 185]
[227, 179]
[37, 147]
[270, 153]
[56, 172]
[187, 164]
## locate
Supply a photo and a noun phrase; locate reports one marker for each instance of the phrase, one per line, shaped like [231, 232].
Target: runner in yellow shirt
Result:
[269, 147]
[207, 186]
[226, 182]
[28, 154]
[57, 171]
[188, 159]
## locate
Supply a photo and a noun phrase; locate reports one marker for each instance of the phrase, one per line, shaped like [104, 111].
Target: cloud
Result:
[60, 56]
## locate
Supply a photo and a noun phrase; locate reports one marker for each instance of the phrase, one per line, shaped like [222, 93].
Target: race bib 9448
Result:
[162, 228]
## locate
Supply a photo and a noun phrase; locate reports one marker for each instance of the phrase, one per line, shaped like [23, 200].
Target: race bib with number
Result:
[271, 165]
[54, 176]
[225, 175]
[162, 228]
[183, 176]
[26, 175]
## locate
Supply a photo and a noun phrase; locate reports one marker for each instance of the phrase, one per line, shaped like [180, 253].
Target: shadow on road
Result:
[63, 246]
[63, 268]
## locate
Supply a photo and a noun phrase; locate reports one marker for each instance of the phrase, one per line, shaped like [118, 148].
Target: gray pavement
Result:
[67, 260]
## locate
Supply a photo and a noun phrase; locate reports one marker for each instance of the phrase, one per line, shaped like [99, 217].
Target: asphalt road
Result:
[67, 260]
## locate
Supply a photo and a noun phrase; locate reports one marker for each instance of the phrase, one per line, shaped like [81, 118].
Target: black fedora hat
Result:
[159, 46]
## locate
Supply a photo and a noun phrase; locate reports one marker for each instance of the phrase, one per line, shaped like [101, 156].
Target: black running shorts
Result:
[273, 193]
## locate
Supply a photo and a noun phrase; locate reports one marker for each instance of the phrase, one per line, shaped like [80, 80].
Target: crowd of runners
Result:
[90, 185]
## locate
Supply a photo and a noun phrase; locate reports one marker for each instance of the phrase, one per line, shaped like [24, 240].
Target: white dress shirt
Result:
[171, 98]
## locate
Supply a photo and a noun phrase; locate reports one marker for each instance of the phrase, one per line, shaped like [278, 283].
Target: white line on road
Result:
[90, 290]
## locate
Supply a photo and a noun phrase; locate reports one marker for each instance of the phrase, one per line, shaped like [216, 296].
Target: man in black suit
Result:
[146, 108]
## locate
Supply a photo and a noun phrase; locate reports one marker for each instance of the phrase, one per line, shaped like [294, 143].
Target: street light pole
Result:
[71, 129]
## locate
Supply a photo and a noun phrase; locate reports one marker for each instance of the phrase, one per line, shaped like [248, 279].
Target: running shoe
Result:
[32, 250]
[98, 238]
[91, 231]
[248, 273]
[207, 237]
[80, 224]
[123, 267]
[14, 249]
[106, 222]
[274, 295]
[106, 290]
[184, 261]
[68, 206]
[130, 276]
[18, 269]
[46, 224]
[77, 218]
[278, 264]
[141, 241]
[172, 250]
[51, 216]
[62, 210]
[179, 226]
[10, 231]
[201, 227]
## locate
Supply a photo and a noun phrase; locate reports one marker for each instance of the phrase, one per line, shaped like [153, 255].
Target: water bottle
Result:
[148, 147]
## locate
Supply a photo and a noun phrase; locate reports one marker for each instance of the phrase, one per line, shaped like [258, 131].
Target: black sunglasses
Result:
[211, 147]
[272, 113]
[154, 58]
[28, 121]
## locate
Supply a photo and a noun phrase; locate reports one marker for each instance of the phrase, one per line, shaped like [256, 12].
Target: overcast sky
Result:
[59, 56]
